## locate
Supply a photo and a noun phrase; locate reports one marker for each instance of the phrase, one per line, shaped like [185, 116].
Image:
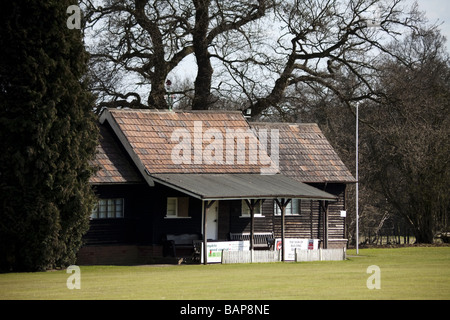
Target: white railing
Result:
[320, 255]
[248, 257]
[275, 255]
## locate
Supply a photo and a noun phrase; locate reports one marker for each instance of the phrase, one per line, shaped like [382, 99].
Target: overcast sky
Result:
[437, 11]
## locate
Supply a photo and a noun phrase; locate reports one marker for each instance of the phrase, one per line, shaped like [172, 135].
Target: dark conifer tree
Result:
[47, 136]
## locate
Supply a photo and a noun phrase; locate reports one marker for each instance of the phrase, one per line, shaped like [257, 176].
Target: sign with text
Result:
[215, 249]
[292, 244]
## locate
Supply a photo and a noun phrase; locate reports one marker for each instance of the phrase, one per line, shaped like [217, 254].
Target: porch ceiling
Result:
[240, 186]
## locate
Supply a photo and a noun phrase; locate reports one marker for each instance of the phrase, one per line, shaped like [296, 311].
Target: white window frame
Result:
[111, 208]
[288, 212]
[177, 212]
[245, 210]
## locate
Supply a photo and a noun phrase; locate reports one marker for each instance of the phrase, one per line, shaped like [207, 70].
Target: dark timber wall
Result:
[308, 224]
[141, 231]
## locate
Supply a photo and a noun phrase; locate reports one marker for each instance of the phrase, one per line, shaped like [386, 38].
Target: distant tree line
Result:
[403, 138]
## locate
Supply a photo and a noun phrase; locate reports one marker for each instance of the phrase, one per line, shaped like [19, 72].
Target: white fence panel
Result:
[246, 256]
[320, 255]
[265, 256]
[274, 256]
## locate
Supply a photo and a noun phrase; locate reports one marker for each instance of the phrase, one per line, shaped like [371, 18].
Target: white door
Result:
[212, 221]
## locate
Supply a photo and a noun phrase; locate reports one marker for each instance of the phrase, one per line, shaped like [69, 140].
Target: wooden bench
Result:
[261, 239]
[183, 242]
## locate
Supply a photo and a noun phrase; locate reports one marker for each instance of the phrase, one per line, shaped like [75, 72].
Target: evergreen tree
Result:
[47, 136]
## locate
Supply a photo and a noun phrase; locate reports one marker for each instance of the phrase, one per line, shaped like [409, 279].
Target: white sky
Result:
[437, 11]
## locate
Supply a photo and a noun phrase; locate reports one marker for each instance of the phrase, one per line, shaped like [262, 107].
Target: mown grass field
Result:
[406, 273]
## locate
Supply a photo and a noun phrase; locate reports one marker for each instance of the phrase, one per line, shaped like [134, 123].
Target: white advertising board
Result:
[215, 249]
[292, 244]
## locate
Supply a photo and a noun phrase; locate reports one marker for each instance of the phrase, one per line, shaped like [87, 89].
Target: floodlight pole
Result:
[357, 180]
[374, 23]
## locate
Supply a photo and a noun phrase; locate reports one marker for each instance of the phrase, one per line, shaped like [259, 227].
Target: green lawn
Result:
[406, 273]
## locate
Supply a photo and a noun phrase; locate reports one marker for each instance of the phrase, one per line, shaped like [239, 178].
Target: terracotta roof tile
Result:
[304, 152]
[306, 155]
[155, 134]
[113, 165]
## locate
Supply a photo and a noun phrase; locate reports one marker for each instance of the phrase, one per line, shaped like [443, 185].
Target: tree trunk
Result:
[202, 85]
[158, 91]
[157, 95]
[423, 234]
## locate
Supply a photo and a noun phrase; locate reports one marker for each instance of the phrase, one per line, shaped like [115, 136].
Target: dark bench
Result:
[184, 243]
[261, 239]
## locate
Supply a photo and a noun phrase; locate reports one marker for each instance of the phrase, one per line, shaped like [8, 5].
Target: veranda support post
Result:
[282, 204]
[206, 206]
[324, 205]
[252, 203]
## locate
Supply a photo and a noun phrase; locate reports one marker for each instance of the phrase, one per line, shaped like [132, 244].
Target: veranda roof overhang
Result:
[241, 186]
[212, 187]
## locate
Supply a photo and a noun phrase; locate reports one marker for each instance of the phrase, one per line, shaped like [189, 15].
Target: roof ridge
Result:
[210, 111]
[154, 110]
[283, 123]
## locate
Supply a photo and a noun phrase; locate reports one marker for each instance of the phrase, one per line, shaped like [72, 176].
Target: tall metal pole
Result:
[357, 180]
[205, 238]
[283, 234]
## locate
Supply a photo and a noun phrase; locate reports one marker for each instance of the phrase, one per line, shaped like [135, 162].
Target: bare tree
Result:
[326, 46]
[148, 39]
[254, 51]
[136, 43]
[407, 144]
[403, 133]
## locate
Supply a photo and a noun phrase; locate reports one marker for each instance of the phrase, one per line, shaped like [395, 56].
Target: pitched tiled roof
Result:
[112, 162]
[154, 139]
[305, 154]
[151, 136]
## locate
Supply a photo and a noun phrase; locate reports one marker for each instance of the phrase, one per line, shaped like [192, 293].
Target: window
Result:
[108, 208]
[245, 211]
[293, 208]
[172, 206]
[177, 207]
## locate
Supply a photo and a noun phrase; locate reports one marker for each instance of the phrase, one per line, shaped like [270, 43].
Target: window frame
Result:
[107, 208]
[288, 212]
[179, 201]
[245, 210]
